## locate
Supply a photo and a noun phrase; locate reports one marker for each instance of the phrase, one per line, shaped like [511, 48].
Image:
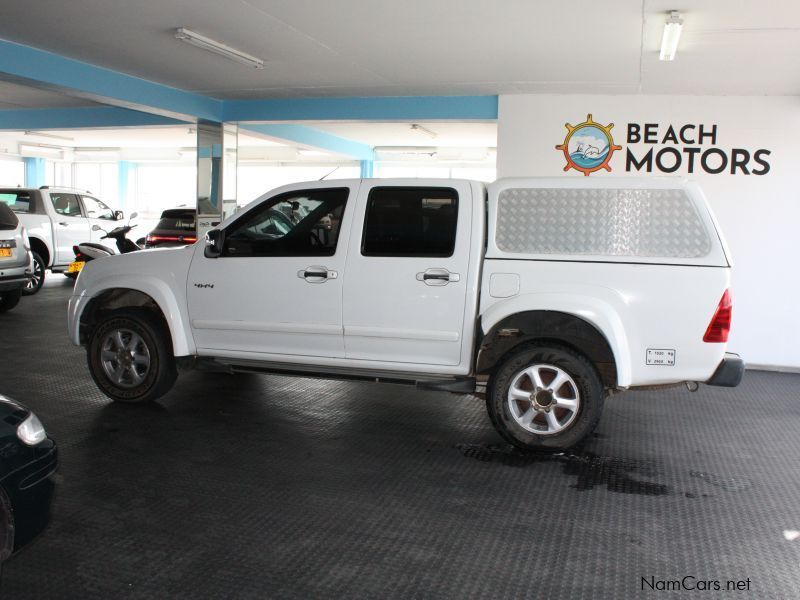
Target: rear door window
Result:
[410, 222]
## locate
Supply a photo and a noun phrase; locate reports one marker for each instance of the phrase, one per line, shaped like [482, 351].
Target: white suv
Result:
[15, 259]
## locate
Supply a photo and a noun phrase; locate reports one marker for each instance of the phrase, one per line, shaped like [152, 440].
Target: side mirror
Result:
[119, 215]
[133, 215]
[214, 242]
[97, 228]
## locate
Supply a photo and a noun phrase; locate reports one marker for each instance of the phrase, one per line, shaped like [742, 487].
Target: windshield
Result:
[184, 223]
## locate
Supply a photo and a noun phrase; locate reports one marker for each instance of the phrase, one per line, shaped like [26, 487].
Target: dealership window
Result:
[410, 222]
[12, 172]
[299, 223]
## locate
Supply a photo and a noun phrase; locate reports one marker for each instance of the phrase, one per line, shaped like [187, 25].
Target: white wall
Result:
[760, 215]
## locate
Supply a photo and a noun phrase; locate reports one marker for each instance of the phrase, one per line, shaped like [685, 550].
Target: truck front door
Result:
[70, 226]
[406, 283]
[276, 288]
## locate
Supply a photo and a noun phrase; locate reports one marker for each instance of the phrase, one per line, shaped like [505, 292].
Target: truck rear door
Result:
[405, 284]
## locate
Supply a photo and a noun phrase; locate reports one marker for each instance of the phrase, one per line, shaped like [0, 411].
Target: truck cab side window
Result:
[410, 222]
[303, 223]
[66, 204]
[96, 209]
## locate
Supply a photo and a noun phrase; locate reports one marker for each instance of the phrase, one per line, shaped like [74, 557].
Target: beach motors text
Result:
[691, 148]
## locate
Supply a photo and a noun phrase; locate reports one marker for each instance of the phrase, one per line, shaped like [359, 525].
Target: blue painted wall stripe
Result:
[104, 85]
[75, 118]
[446, 108]
[309, 136]
[126, 171]
[367, 168]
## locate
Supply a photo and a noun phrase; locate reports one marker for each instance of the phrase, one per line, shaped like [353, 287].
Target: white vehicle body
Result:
[57, 219]
[15, 259]
[628, 273]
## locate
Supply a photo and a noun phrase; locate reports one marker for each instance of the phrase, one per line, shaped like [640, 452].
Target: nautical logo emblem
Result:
[588, 146]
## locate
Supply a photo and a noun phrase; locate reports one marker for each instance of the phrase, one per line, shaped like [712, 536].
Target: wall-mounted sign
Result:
[657, 148]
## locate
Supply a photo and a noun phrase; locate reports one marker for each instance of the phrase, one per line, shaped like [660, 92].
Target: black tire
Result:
[9, 299]
[134, 383]
[36, 282]
[584, 388]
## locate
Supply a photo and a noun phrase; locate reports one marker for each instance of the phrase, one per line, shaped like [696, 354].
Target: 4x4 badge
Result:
[204, 285]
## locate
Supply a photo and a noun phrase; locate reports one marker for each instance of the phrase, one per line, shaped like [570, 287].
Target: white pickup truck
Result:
[56, 220]
[555, 291]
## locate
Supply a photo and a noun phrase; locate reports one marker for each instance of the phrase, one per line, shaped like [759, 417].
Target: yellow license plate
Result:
[75, 267]
[5, 252]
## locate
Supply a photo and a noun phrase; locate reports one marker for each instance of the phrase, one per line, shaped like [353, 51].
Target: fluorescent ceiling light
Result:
[423, 130]
[49, 135]
[672, 35]
[304, 152]
[201, 41]
[41, 150]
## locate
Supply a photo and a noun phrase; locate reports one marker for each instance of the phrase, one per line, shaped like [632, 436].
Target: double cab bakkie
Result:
[556, 291]
[56, 219]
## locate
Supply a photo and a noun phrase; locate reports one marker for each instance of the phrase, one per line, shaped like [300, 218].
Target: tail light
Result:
[180, 239]
[720, 325]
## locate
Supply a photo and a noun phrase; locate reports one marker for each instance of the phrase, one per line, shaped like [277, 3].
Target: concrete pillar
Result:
[34, 171]
[217, 146]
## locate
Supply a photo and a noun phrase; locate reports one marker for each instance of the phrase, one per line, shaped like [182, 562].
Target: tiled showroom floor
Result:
[270, 487]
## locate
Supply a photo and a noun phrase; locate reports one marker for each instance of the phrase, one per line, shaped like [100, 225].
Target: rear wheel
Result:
[37, 276]
[130, 356]
[9, 299]
[545, 398]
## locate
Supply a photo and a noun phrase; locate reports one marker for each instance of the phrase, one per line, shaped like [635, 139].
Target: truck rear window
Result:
[19, 202]
[410, 222]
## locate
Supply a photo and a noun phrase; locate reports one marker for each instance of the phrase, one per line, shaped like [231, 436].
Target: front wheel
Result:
[130, 356]
[37, 276]
[545, 398]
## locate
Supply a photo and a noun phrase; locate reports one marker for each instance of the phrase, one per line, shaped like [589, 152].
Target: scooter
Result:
[86, 251]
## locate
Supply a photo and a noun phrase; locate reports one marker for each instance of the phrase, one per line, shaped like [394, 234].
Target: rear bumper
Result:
[729, 372]
[14, 280]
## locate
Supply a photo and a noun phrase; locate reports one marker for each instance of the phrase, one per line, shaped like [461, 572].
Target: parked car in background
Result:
[15, 259]
[177, 227]
[27, 462]
[56, 219]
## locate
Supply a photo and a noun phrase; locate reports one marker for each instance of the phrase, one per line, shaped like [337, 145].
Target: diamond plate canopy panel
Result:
[600, 222]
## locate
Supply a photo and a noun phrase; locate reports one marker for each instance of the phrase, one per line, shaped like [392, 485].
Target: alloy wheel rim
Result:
[36, 276]
[125, 358]
[543, 399]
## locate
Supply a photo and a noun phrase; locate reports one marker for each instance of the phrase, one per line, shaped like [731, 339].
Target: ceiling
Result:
[425, 47]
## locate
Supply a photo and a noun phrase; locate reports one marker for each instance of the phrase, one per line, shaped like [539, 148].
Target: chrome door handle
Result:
[63, 223]
[437, 277]
[317, 274]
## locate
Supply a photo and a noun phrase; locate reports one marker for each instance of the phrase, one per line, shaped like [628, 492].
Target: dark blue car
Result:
[28, 459]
